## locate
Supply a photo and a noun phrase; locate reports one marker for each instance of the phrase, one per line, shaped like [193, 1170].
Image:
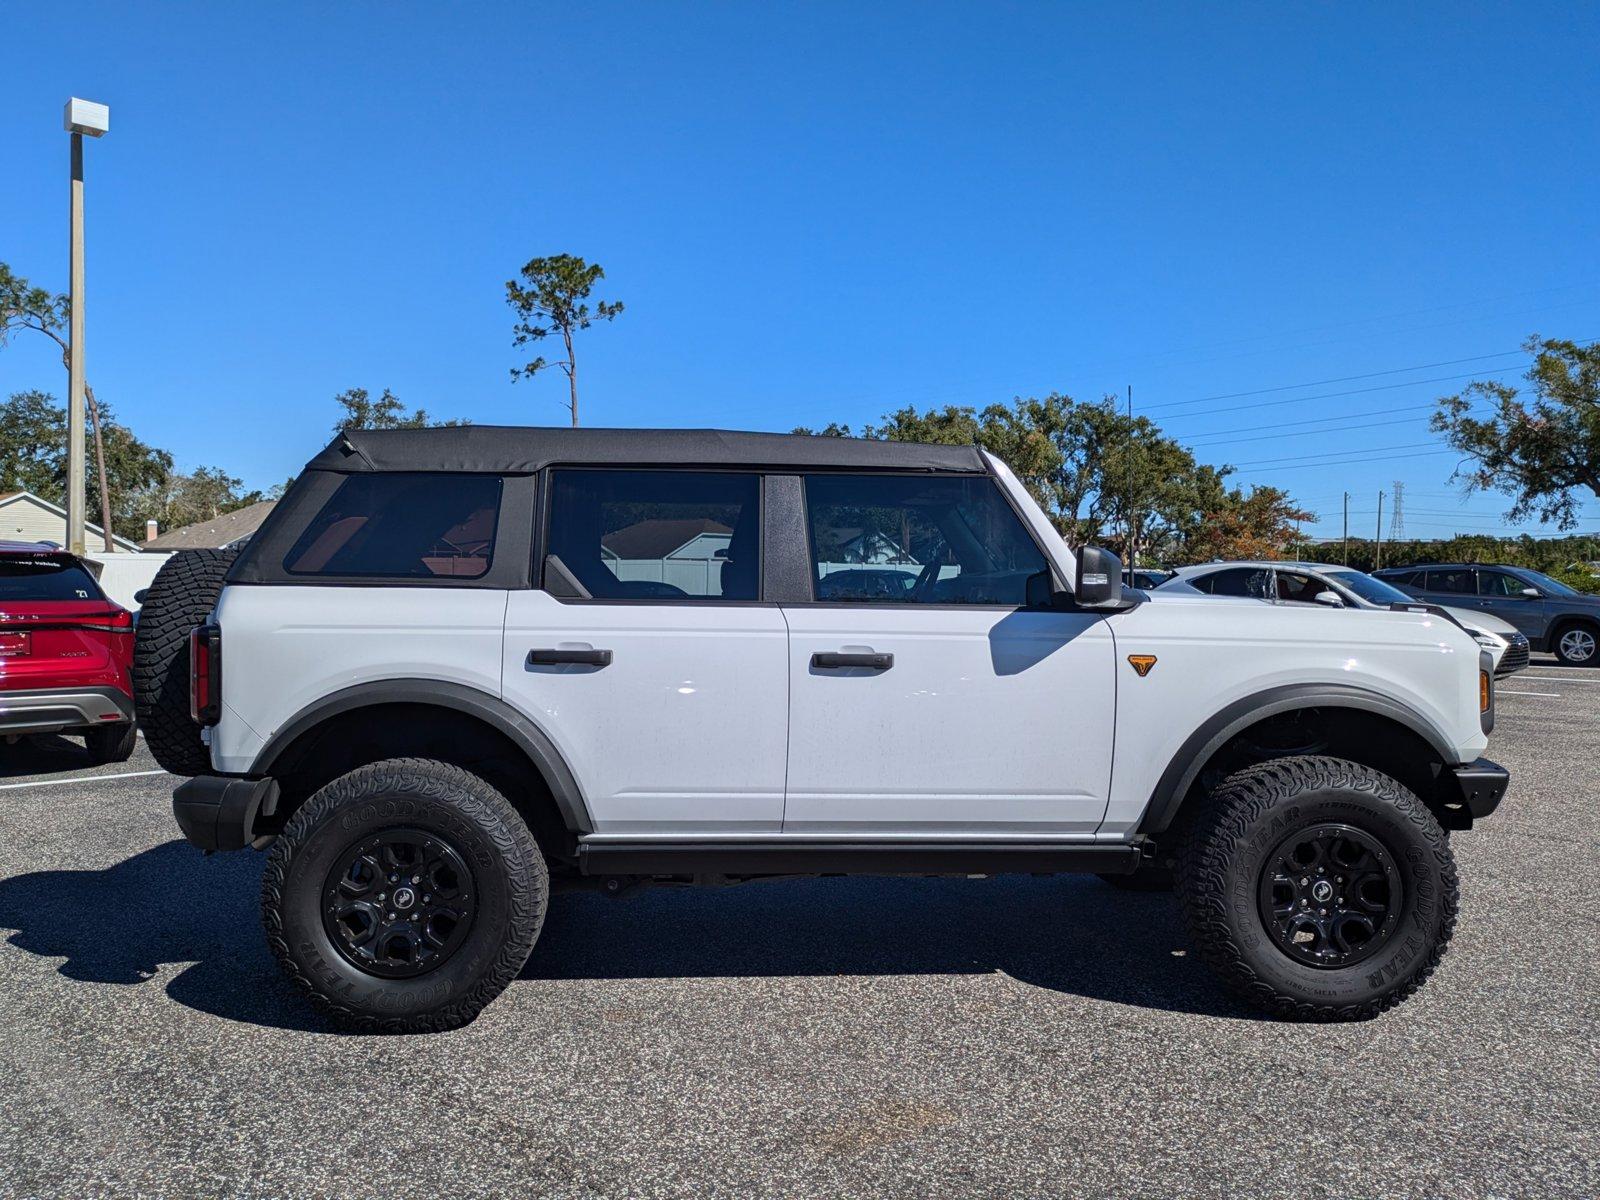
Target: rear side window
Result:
[45, 577]
[897, 539]
[1254, 582]
[658, 535]
[402, 525]
[1460, 582]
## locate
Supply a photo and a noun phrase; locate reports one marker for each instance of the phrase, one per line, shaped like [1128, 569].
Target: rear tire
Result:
[180, 597]
[1577, 645]
[1318, 889]
[111, 743]
[404, 836]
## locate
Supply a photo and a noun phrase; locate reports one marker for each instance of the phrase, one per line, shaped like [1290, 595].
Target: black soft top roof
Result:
[519, 449]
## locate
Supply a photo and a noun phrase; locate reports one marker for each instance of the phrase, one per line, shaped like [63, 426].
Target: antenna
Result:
[1397, 520]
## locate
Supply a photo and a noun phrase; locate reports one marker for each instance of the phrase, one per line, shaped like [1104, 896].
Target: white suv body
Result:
[954, 740]
[735, 655]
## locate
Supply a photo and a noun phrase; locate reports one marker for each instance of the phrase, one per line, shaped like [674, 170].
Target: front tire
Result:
[1318, 889]
[404, 896]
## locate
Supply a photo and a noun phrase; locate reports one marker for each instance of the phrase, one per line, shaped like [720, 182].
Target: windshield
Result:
[1554, 586]
[1374, 590]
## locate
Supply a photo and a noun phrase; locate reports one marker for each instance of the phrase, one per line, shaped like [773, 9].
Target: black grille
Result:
[1516, 655]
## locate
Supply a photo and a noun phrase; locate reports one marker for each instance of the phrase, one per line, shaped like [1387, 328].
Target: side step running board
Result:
[798, 857]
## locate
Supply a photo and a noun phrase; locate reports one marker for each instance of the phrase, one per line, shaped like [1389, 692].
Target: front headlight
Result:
[1487, 640]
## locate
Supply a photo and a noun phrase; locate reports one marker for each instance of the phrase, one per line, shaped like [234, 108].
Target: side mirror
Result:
[1531, 593]
[1331, 599]
[1099, 581]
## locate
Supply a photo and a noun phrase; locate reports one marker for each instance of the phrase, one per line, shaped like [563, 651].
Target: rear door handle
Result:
[585, 658]
[832, 660]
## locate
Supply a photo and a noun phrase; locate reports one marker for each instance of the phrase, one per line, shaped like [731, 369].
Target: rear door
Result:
[650, 656]
[941, 706]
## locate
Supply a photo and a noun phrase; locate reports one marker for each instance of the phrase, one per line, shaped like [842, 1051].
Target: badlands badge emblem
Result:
[1142, 663]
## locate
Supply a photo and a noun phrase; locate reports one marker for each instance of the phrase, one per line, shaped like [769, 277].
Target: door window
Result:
[899, 539]
[1299, 587]
[658, 535]
[1457, 582]
[1498, 583]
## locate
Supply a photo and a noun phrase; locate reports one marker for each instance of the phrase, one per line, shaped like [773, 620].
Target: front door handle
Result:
[585, 658]
[832, 660]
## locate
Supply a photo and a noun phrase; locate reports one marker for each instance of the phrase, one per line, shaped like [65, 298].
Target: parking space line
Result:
[79, 779]
[1509, 692]
[1556, 679]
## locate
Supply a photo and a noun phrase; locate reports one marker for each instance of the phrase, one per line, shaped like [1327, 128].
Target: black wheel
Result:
[180, 597]
[1577, 646]
[1150, 877]
[110, 743]
[404, 896]
[1318, 888]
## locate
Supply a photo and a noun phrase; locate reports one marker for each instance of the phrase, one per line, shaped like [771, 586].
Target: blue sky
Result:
[821, 212]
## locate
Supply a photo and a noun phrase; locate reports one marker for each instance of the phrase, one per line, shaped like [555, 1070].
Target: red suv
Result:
[66, 651]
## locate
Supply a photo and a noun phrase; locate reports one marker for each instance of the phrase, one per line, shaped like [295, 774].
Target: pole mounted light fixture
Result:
[87, 117]
[82, 117]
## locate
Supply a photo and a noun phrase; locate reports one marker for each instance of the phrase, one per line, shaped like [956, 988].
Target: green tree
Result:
[202, 495]
[1539, 450]
[23, 306]
[552, 298]
[1260, 523]
[33, 457]
[386, 412]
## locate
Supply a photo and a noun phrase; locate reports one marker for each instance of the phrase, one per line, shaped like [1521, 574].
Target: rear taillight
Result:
[205, 674]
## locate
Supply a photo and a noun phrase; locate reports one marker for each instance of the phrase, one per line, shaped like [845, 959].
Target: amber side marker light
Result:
[1142, 663]
[1483, 691]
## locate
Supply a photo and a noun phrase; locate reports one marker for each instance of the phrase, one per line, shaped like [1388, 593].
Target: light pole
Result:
[81, 117]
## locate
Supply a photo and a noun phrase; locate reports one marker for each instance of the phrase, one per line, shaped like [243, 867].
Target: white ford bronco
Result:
[460, 668]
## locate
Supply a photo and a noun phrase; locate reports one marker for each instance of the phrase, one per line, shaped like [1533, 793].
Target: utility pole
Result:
[1378, 541]
[81, 117]
[1133, 555]
[1347, 529]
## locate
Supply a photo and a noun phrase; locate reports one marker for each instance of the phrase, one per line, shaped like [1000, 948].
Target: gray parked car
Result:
[1553, 616]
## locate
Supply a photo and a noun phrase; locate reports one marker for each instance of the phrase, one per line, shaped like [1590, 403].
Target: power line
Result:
[1289, 387]
[1385, 387]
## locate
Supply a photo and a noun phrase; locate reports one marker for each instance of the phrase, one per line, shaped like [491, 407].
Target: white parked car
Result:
[1343, 587]
[459, 667]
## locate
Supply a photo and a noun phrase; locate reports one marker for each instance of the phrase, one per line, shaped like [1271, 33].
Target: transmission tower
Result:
[1397, 521]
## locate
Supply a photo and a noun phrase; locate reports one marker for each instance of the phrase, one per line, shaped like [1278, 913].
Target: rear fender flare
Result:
[491, 710]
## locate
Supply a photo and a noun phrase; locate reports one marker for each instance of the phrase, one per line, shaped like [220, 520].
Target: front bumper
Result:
[219, 813]
[1478, 787]
[50, 710]
[1515, 658]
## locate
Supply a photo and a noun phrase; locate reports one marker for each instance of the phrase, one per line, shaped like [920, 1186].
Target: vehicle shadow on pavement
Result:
[169, 904]
[40, 754]
[172, 905]
[1071, 934]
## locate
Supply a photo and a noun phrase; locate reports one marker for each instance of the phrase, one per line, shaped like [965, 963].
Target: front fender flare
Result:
[491, 710]
[1215, 731]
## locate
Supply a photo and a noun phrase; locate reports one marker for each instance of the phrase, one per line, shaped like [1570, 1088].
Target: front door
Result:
[1504, 595]
[925, 698]
[654, 666]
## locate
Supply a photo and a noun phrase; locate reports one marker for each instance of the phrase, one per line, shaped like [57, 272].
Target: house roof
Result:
[89, 526]
[522, 450]
[659, 537]
[215, 533]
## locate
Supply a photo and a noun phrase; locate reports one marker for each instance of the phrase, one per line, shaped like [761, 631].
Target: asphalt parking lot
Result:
[1016, 1036]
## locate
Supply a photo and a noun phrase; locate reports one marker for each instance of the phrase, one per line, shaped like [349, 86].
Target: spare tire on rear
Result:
[180, 597]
